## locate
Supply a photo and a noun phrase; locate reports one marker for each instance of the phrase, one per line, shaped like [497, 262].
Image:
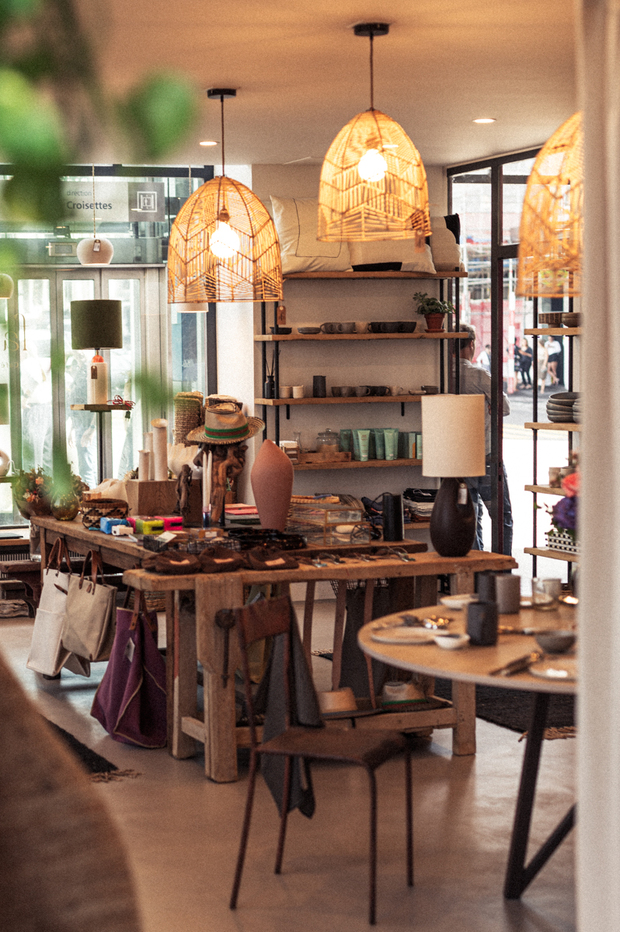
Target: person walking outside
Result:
[525, 363]
[475, 380]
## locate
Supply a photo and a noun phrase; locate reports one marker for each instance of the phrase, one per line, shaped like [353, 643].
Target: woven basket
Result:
[188, 414]
[95, 510]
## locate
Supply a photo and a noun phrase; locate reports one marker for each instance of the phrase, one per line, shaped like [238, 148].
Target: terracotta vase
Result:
[272, 484]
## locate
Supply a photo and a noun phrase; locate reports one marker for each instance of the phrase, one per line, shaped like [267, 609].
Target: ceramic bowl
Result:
[281, 330]
[451, 640]
[407, 326]
[556, 642]
[564, 397]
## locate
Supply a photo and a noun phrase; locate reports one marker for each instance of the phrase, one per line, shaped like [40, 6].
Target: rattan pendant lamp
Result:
[552, 218]
[223, 244]
[373, 182]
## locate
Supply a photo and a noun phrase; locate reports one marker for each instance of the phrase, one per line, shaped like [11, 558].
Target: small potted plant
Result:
[433, 310]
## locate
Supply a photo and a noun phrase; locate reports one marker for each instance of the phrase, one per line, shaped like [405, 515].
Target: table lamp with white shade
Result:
[453, 447]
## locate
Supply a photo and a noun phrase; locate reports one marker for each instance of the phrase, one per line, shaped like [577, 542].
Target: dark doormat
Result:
[512, 708]
[100, 769]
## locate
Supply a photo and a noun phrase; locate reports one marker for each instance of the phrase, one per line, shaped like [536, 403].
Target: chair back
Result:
[266, 618]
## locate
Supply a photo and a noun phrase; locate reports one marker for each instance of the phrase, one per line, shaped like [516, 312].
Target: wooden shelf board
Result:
[100, 408]
[330, 400]
[293, 276]
[306, 337]
[356, 464]
[552, 554]
[549, 425]
[552, 332]
[544, 489]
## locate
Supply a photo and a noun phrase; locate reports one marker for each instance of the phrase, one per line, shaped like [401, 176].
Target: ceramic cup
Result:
[396, 390]
[319, 389]
[337, 391]
[508, 593]
[554, 476]
[348, 391]
[298, 391]
[482, 623]
[347, 327]
[362, 390]
[286, 391]
[485, 586]
[331, 327]
[361, 326]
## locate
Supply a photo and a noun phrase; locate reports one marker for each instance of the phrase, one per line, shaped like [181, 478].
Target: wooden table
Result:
[116, 551]
[472, 665]
[192, 604]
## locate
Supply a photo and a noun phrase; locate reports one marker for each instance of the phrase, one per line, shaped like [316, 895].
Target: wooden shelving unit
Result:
[571, 427]
[348, 337]
[544, 489]
[331, 400]
[352, 276]
[355, 464]
[552, 554]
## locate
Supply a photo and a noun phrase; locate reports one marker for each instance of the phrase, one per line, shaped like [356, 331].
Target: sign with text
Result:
[115, 201]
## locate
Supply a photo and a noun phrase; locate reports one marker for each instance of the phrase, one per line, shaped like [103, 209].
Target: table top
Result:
[474, 664]
[356, 567]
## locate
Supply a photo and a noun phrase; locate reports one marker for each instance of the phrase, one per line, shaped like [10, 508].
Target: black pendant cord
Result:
[372, 74]
[222, 112]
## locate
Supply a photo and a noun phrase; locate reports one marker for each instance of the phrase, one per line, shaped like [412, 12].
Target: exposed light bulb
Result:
[372, 166]
[225, 242]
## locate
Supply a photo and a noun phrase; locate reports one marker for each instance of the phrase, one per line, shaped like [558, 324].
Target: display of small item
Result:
[433, 310]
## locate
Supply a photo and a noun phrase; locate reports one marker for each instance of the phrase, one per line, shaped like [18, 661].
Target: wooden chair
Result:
[366, 749]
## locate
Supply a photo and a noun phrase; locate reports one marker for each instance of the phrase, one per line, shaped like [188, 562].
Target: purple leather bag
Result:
[130, 702]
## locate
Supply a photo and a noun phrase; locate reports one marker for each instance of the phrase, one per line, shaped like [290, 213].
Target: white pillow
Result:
[296, 220]
[444, 247]
[393, 250]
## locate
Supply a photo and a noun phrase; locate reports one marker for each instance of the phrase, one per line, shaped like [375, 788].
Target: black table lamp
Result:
[453, 447]
[97, 324]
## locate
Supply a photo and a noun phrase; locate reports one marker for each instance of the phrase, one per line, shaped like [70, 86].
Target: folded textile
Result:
[270, 558]
[221, 560]
[172, 563]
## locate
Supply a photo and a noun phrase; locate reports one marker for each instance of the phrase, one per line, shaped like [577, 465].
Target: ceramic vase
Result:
[272, 484]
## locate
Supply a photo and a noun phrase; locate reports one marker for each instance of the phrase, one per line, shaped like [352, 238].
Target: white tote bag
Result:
[90, 613]
[47, 655]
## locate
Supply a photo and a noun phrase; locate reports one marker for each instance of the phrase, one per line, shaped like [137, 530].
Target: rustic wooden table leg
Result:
[212, 594]
[464, 732]
[181, 667]
[341, 605]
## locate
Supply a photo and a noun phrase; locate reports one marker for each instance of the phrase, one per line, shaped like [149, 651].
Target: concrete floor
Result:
[182, 831]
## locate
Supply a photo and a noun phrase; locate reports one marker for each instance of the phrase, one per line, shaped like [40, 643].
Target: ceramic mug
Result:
[331, 327]
[298, 391]
[482, 623]
[362, 390]
[319, 389]
[337, 391]
[286, 391]
[348, 391]
[396, 390]
[361, 326]
[347, 327]
[508, 593]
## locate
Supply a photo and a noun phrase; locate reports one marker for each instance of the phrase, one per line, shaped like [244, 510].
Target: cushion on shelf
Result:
[444, 246]
[296, 222]
[397, 253]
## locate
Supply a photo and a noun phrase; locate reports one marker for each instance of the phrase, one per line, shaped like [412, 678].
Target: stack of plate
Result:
[560, 407]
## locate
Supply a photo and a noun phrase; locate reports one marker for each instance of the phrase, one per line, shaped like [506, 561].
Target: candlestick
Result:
[207, 469]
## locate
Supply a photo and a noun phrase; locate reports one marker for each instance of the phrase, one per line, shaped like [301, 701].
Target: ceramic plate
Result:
[458, 601]
[403, 635]
[309, 330]
[556, 668]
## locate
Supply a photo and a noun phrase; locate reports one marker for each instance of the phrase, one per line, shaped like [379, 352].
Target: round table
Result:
[479, 665]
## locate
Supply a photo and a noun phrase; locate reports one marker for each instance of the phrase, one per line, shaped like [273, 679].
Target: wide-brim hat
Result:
[225, 424]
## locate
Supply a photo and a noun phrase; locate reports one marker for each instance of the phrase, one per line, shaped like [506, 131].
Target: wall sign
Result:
[115, 201]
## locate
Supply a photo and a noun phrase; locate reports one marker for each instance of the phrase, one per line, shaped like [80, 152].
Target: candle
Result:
[207, 469]
[160, 448]
[148, 446]
[144, 462]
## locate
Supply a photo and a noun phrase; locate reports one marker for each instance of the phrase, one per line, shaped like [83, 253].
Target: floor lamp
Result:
[453, 447]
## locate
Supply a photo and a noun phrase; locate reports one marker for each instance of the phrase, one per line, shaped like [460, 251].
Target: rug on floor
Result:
[99, 769]
[512, 708]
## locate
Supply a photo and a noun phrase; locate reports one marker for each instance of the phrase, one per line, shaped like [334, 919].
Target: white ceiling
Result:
[301, 73]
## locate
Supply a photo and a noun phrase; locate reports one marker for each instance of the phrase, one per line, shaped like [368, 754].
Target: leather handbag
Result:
[130, 702]
[47, 652]
[89, 624]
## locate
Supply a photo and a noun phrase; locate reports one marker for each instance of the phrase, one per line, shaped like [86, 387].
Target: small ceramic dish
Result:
[308, 330]
[555, 642]
[451, 640]
[458, 601]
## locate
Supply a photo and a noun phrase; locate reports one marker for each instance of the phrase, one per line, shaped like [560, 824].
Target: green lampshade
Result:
[96, 324]
[4, 403]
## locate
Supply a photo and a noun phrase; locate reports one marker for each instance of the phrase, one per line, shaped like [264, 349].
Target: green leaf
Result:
[31, 132]
[160, 112]
[17, 9]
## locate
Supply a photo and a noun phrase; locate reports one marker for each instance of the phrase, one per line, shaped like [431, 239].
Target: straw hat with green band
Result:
[225, 424]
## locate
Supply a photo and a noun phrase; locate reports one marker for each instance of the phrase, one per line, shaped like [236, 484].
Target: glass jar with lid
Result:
[327, 443]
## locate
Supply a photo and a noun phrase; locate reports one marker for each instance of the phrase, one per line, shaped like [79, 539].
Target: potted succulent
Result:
[433, 310]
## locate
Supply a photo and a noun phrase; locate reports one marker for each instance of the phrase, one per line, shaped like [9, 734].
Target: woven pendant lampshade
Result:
[552, 218]
[223, 244]
[373, 182]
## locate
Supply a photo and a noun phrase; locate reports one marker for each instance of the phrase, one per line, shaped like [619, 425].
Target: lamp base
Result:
[453, 523]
